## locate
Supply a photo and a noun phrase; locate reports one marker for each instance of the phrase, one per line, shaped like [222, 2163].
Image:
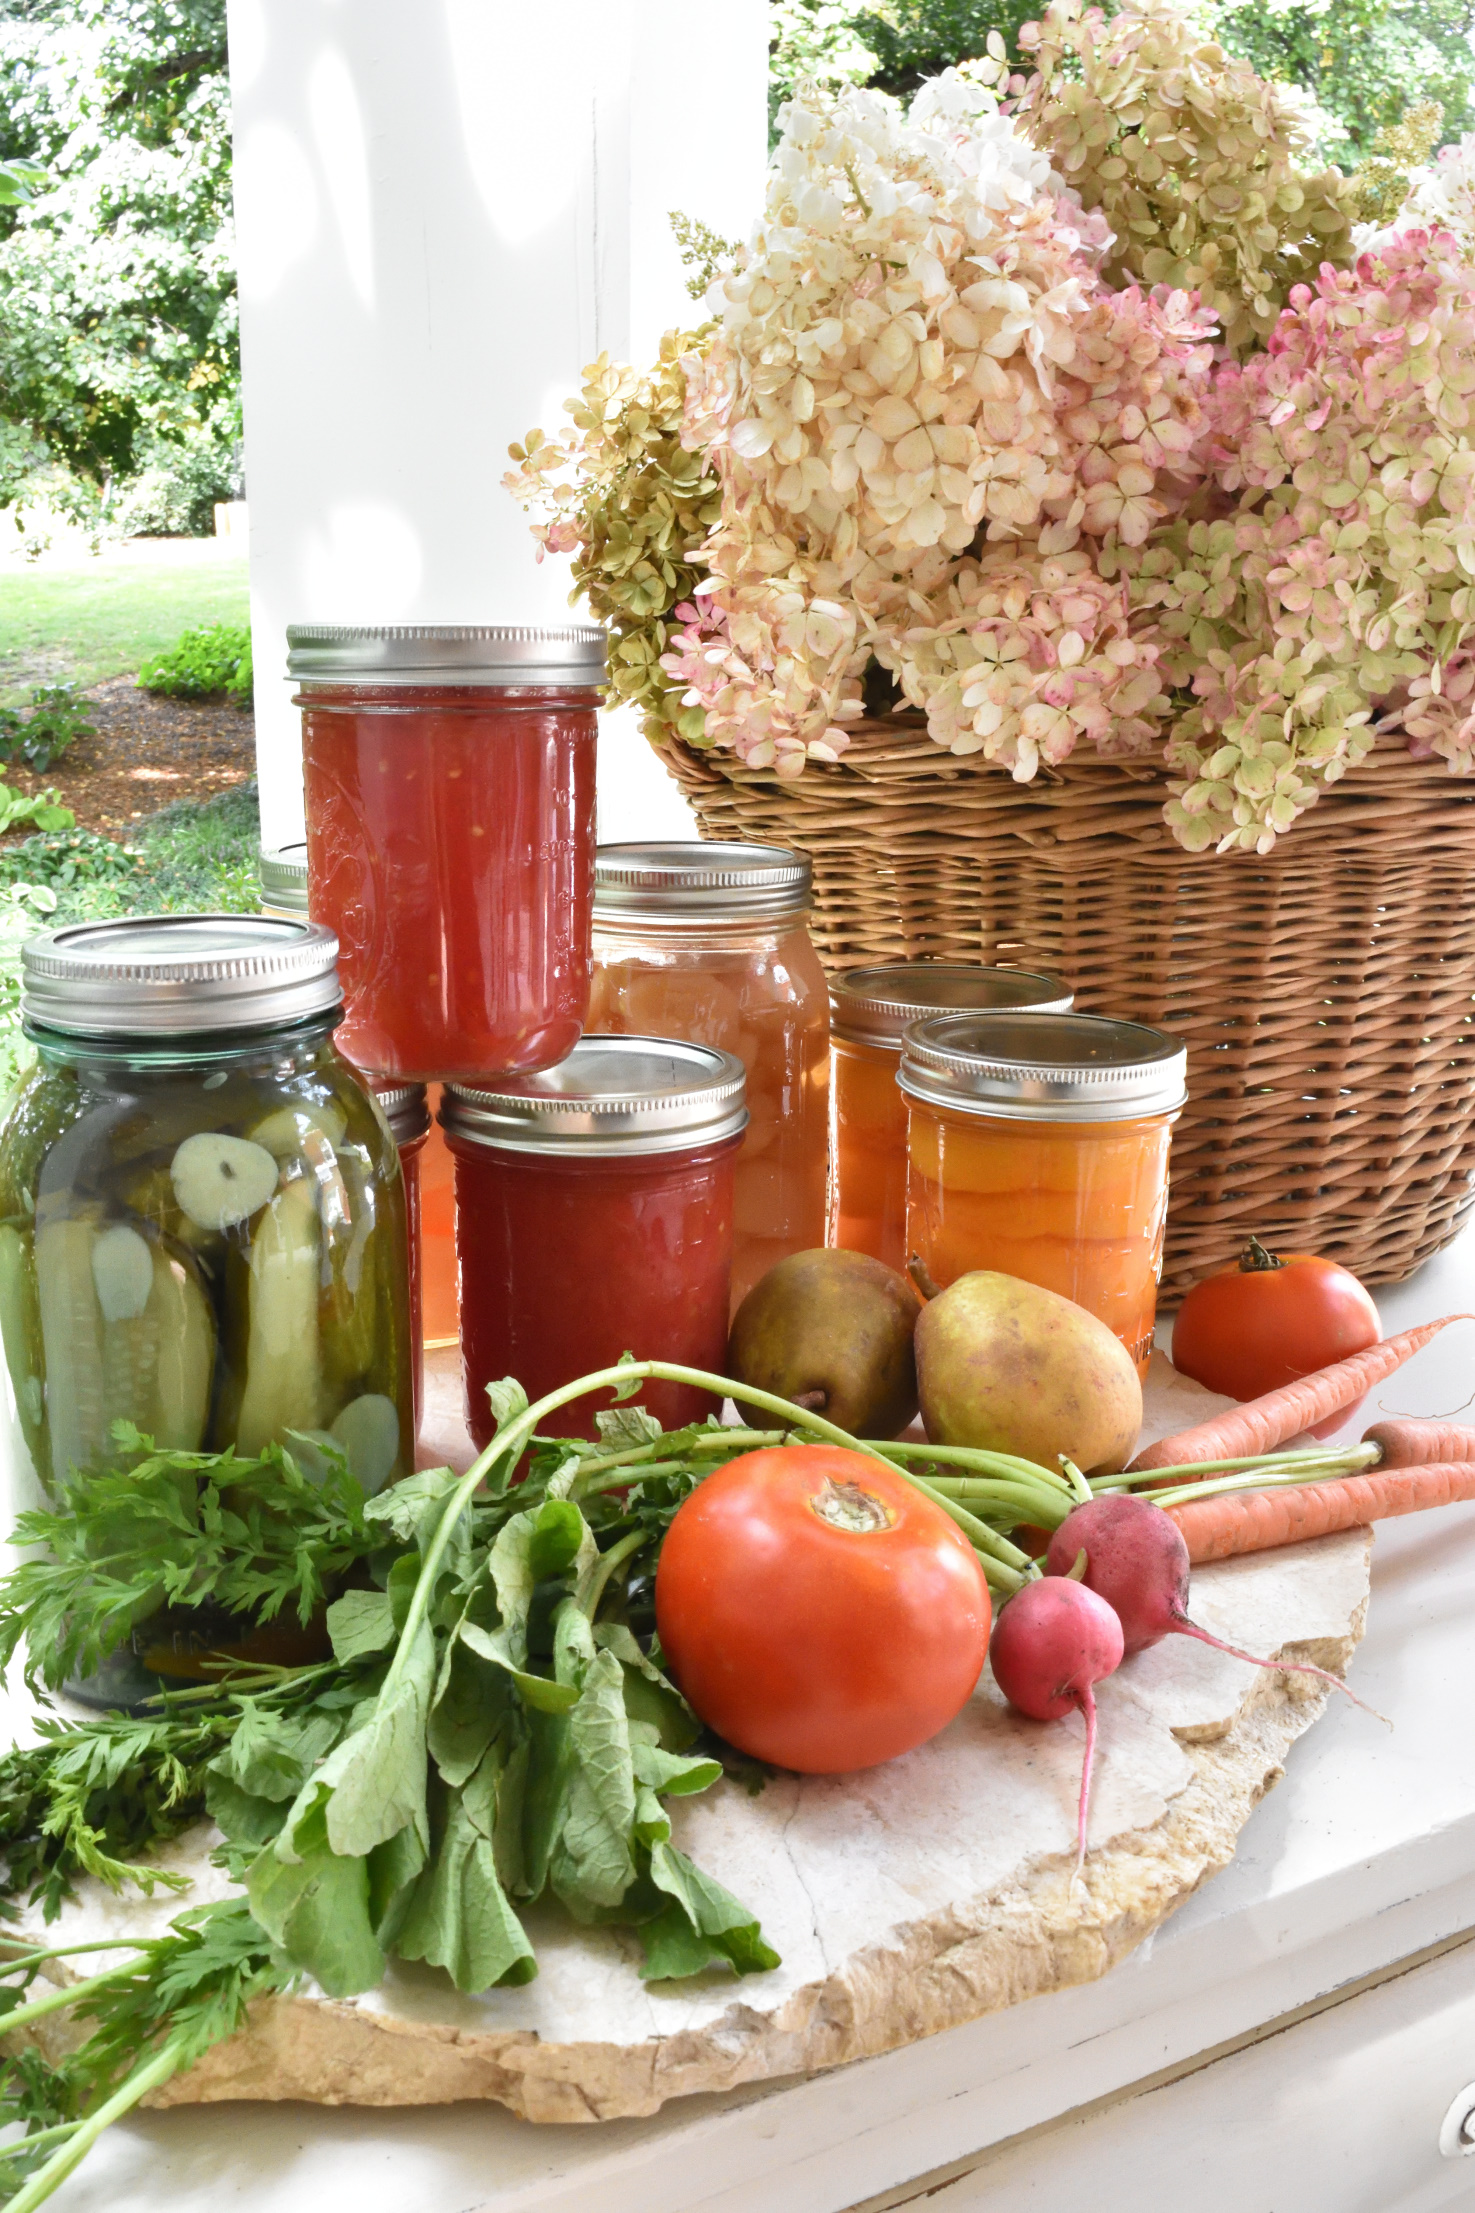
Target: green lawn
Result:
[101, 617]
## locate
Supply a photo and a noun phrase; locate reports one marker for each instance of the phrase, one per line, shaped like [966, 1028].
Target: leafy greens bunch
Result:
[494, 1725]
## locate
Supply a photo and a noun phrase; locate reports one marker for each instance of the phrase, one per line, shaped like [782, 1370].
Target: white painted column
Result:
[444, 210]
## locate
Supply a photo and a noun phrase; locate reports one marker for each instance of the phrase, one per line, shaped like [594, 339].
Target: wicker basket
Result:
[1326, 993]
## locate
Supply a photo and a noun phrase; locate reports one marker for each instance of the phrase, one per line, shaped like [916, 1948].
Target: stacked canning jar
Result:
[708, 942]
[449, 791]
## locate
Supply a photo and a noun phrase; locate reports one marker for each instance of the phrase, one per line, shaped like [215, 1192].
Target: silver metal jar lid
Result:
[1043, 1067]
[500, 656]
[695, 883]
[283, 870]
[612, 1095]
[877, 1004]
[170, 975]
[403, 1106]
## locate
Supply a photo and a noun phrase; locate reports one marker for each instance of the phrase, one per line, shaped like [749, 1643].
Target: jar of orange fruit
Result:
[870, 1008]
[708, 943]
[1037, 1146]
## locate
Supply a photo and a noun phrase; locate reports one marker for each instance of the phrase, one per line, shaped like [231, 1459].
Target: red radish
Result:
[1052, 1641]
[1137, 1561]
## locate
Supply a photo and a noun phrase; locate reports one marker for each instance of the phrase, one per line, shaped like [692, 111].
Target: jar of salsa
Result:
[449, 784]
[869, 1010]
[708, 942]
[284, 892]
[202, 1222]
[404, 1108]
[1038, 1147]
[594, 1209]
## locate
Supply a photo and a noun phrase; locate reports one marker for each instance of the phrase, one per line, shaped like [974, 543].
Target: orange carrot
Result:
[1258, 1521]
[1261, 1424]
[1411, 1443]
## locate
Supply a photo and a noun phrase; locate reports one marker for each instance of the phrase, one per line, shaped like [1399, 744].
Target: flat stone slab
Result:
[904, 1900]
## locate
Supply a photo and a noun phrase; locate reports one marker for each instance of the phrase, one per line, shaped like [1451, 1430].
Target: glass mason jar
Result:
[283, 872]
[708, 942]
[594, 1210]
[202, 1218]
[449, 783]
[432, 1207]
[1038, 1147]
[404, 1108]
[869, 1010]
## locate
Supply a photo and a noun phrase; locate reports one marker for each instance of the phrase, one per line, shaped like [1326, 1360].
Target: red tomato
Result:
[1270, 1321]
[819, 1612]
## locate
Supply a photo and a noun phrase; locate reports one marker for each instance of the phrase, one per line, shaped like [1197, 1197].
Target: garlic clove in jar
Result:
[367, 1431]
[122, 1272]
[220, 1180]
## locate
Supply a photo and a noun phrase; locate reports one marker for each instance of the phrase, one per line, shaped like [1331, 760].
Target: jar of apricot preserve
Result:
[1038, 1147]
[594, 1209]
[449, 785]
[709, 942]
[869, 1010]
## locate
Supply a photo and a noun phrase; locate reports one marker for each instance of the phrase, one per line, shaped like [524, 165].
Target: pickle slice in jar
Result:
[283, 1385]
[20, 1334]
[127, 1335]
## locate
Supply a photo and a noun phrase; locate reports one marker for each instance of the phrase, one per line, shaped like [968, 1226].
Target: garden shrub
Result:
[58, 716]
[200, 663]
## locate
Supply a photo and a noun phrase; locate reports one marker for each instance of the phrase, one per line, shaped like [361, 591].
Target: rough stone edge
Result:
[969, 1960]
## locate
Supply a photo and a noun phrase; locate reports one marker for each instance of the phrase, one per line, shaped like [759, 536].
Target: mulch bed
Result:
[147, 752]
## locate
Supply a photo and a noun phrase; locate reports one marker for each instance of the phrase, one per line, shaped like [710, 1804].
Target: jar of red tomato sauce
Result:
[594, 1210]
[449, 785]
[870, 1009]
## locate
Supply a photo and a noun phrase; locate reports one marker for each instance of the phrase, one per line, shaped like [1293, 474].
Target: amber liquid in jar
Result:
[758, 993]
[868, 1151]
[1079, 1208]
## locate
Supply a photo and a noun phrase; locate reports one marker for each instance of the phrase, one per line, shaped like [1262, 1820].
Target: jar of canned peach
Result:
[869, 1010]
[1038, 1147]
[708, 943]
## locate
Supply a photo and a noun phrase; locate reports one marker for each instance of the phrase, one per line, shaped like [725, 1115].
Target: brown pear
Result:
[832, 1331]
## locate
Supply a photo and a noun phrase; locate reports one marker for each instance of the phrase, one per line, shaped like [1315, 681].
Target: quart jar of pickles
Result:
[202, 1217]
[870, 1008]
[1038, 1147]
[708, 942]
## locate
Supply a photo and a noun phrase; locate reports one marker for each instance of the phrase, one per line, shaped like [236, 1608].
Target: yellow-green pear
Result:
[1010, 1367]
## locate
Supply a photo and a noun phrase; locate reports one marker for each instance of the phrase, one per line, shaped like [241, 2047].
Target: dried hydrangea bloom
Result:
[629, 500]
[1191, 158]
[1442, 197]
[917, 359]
[1344, 579]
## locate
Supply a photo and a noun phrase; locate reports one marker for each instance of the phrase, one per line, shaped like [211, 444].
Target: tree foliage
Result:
[1363, 61]
[119, 377]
